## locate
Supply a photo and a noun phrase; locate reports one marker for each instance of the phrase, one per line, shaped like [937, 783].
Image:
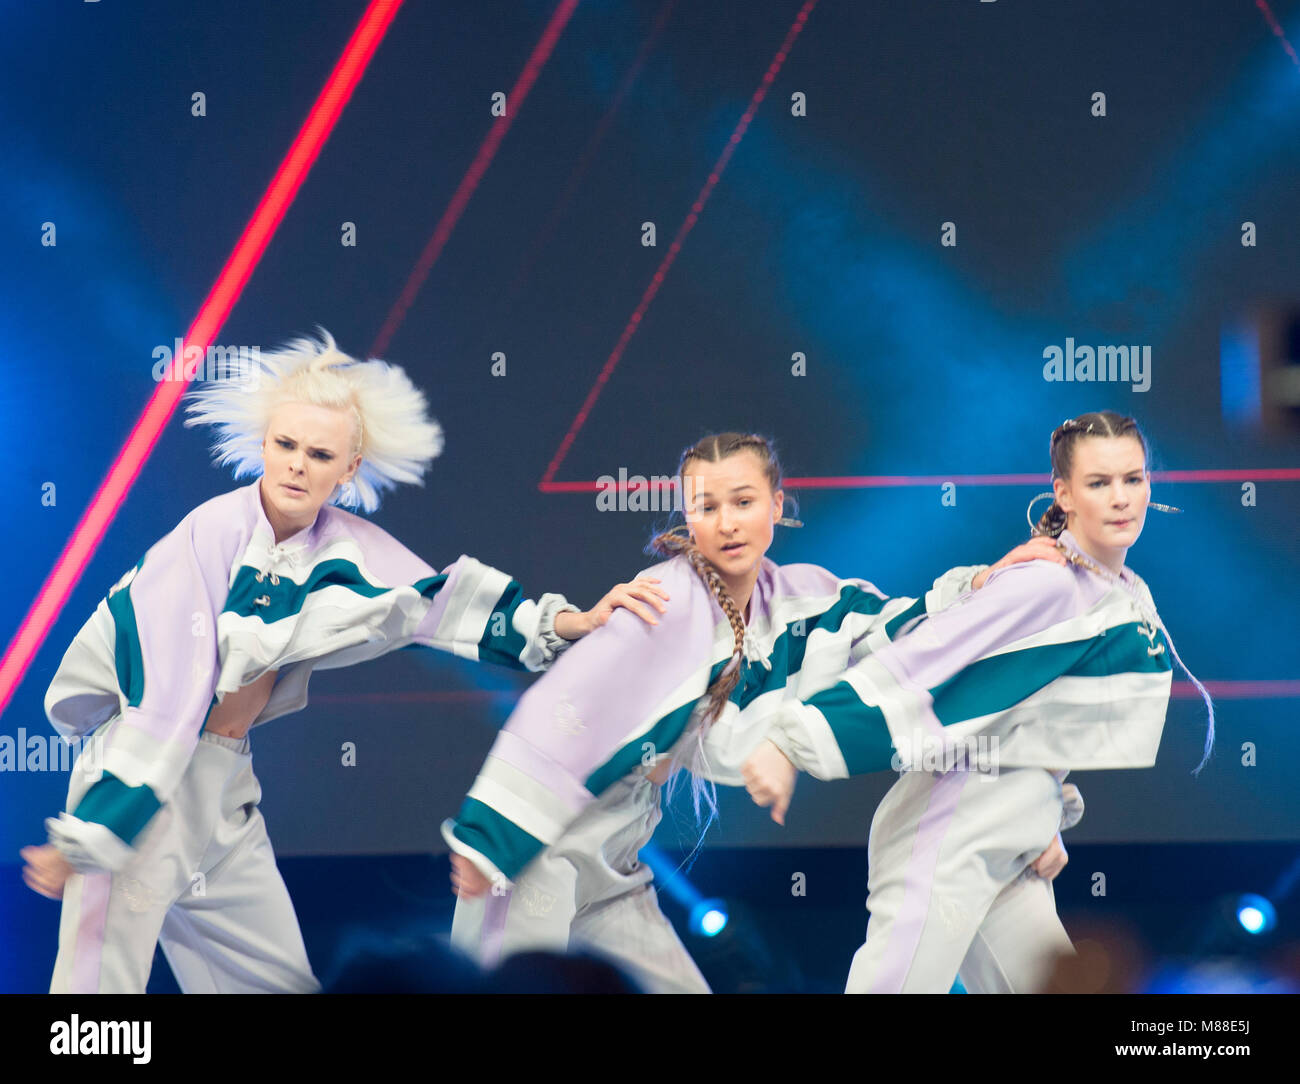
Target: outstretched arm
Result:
[952, 667]
[622, 695]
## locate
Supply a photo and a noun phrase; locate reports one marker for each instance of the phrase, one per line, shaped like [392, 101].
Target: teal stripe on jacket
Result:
[123, 810]
[128, 659]
[501, 642]
[503, 842]
[287, 597]
[999, 683]
[859, 729]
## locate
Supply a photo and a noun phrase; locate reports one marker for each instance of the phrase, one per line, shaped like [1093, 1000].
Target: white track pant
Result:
[231, 930]
[950, 889]
[588, 892]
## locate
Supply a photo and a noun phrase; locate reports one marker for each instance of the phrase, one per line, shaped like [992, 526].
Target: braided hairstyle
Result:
[1066, 436]
[670, 543]
[677, 541]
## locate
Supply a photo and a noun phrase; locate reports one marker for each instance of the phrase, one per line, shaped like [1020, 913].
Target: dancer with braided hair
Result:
[1051, 668]
[217, 630]
[570, 791]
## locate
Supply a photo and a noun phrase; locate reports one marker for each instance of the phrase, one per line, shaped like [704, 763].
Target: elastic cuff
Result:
[552, 643]
[87, 846]
[1072, 807]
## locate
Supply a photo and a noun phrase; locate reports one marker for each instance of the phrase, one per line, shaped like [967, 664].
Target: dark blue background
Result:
[822, 237]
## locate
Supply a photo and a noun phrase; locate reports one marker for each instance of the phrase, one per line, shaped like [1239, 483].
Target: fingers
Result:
[644, 588]
[764, 793]
[1051, 862]
[758, 791]
[648, 594]
[1044, 549]
[51, 888]
[641, 589]
[466, 880]
[640, 611]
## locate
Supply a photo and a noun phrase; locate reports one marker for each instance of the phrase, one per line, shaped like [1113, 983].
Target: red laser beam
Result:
[886, 481]
[460, 198]
[212, 315]
[588, 153]
[634, 321]
[1276, 27]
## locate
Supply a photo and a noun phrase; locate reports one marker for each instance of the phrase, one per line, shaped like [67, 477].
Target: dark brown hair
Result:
[1065, 439]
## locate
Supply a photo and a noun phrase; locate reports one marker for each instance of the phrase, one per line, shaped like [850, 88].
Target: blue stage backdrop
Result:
[924, 206]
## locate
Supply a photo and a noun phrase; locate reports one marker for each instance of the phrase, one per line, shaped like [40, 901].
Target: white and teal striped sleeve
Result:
[832, 625]
[468, 609]
[971, 661]
[478, 612]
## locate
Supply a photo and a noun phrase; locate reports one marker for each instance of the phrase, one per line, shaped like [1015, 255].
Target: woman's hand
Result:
[467, 881]
[1048, 864]
[769, 778]
[46, 871]
[573, 626]
[1041, 548]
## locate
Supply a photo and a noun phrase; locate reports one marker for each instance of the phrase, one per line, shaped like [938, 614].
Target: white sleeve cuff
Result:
[88, 847]
[1072, 811]
[949, 587]
[550, 641]
[801, 732]
[484, 865]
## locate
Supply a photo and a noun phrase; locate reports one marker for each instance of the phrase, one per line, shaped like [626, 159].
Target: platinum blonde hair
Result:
[394, 435]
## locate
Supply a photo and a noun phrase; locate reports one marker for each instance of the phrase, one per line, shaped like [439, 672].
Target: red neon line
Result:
[1276, 27]
[212, 315]
[685, 228]
[588, 153]
[885, 481]
[460, 198]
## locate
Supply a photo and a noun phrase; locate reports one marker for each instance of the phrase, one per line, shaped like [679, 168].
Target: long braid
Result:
[677, 542]
[703, 792]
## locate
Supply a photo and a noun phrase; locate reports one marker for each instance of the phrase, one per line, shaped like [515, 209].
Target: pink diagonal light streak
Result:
[216, 307]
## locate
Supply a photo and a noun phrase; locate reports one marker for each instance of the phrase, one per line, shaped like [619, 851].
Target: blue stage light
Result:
[709, 918]
[1255, 914]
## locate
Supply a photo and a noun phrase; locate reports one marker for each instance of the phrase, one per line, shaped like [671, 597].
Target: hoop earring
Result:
[786, 521]
[1162, 507]
[1029, 511]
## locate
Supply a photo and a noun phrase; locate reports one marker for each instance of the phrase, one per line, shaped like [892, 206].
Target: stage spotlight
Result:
[708, 918]
[1255, 914]
[1242, 925]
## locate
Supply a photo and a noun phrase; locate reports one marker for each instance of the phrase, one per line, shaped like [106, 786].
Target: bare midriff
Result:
[234, 716]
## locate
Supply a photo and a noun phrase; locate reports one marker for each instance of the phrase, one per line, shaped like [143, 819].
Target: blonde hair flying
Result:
[395, 437]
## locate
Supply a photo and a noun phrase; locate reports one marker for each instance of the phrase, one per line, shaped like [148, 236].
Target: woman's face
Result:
[307, 453]
[731, 511]
[1105, 498]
